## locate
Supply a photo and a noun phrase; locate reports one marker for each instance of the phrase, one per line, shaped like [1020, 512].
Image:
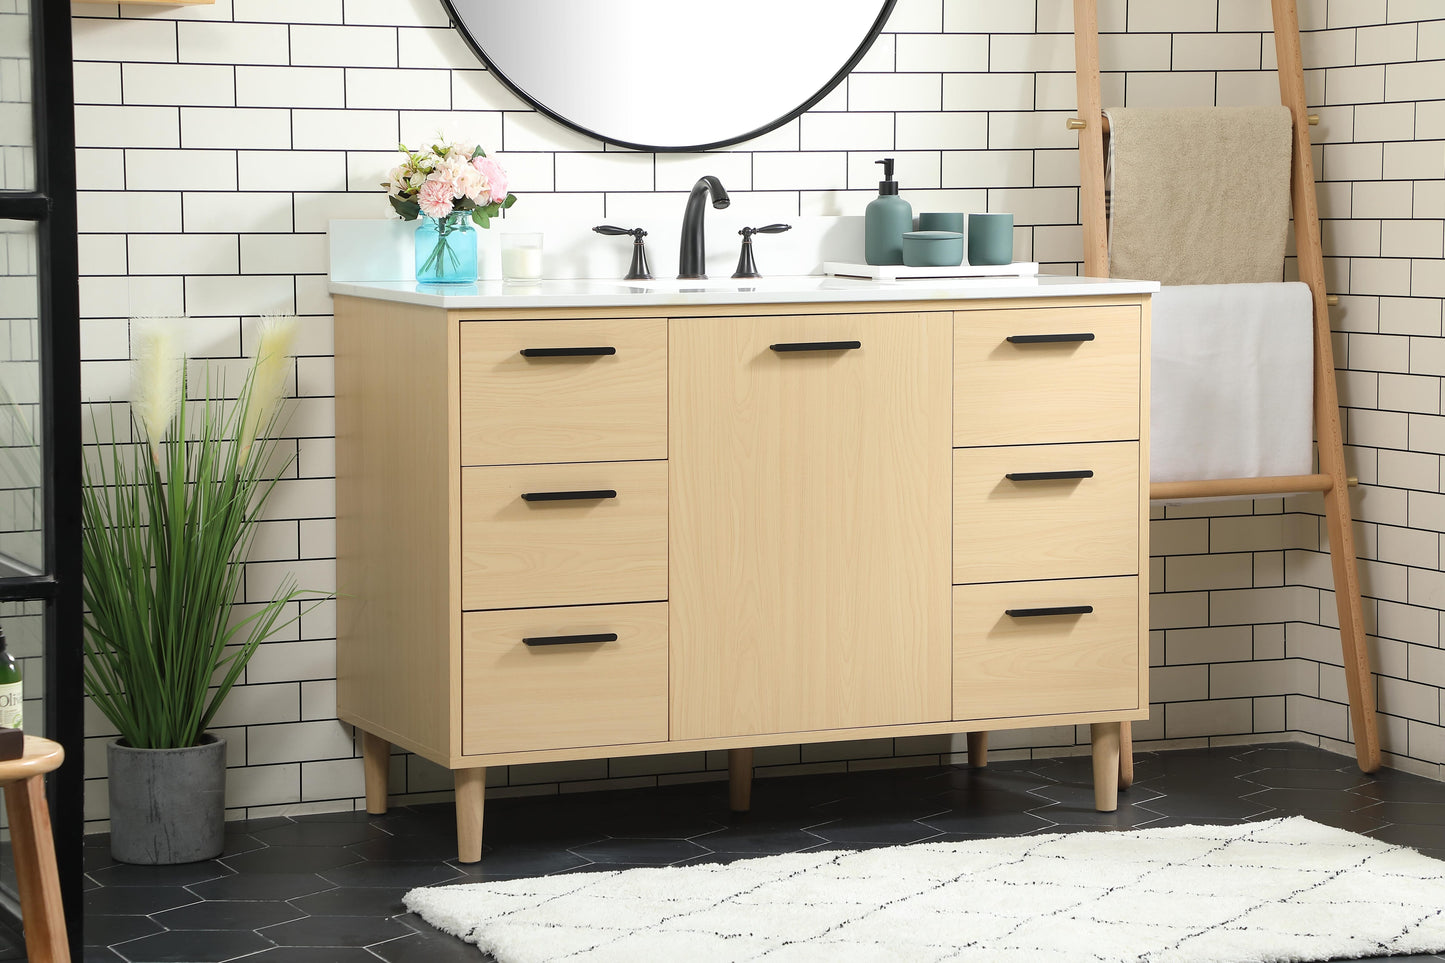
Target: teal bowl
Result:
[933, 249]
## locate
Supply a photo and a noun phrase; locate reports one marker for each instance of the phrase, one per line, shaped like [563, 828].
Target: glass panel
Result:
[22, 497]
[17, 132]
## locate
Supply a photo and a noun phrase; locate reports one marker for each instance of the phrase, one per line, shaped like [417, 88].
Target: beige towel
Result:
[1199, 195]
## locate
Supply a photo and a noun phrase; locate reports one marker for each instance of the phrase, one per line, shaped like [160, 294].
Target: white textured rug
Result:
[1286, 889]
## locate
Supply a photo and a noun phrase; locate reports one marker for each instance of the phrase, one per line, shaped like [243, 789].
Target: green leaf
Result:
[166, 530]
[481, 217]
[511, 199]
[477, 152]
[409, 209]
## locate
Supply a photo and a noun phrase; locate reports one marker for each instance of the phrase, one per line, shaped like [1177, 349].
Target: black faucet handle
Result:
[636, 232]
[747, 267]
[638, 270]
[767, 229]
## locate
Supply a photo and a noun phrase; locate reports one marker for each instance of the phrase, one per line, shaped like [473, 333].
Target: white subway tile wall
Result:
[217, 141]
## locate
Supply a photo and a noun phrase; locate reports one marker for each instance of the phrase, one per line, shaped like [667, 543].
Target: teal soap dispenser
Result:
[887, 218]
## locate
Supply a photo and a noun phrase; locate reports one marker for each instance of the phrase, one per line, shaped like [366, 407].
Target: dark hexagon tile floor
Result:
[328, 888]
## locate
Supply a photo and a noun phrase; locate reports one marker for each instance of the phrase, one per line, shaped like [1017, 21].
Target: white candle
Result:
[521, 263]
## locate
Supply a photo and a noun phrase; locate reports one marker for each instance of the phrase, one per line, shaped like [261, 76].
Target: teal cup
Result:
[990, 238]
[941, 221]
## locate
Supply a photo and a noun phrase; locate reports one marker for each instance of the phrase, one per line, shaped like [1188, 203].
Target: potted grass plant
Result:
[168, 521]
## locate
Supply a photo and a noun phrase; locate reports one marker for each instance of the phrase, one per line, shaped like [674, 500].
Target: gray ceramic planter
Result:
[167, 805]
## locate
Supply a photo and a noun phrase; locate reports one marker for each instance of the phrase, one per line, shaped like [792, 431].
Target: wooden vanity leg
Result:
[977, 750]
[376, 770]
[471, 785]
[740, 780]
[1126, 755]
[1104, 737]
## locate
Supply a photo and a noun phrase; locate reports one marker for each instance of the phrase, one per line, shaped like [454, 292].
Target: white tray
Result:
[900, 272]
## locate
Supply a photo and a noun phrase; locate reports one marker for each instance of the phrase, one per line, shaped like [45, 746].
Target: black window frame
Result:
[52, 207]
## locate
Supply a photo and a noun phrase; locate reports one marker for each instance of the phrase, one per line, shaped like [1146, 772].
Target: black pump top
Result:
[887, 185]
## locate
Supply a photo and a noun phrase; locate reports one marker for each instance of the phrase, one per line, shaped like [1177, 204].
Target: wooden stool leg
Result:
[1126, 755]
[35, 872]
[740, 780]
[1104, 737]
[376, 769]
[471, 796]
[977, 750]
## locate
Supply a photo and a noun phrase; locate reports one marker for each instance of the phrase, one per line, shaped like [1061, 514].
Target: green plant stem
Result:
[166, 532]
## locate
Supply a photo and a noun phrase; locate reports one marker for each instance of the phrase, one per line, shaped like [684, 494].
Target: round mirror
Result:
[671, 75]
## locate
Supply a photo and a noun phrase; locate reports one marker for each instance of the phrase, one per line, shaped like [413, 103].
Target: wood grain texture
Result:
[809, 522]
[518, 410]
[1005, 530]
[471, 795]
[1020, 394]
[977, 750]
[396, 490]
[37, 877]
[519, 697]
[723, 743]
[375, 770]
[1091, 138]
[517, 553]
[1359, 681]
[1013, 666]
[740, 779]
[1105, 741]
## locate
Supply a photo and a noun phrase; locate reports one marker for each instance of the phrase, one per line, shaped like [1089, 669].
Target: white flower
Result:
[157, 378]
[463, 177]
[268, 381]
[396, 180]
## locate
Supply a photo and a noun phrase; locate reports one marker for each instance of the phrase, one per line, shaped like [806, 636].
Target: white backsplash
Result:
[381, 250]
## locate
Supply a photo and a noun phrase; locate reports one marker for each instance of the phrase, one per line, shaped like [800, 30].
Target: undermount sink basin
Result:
[724, 285]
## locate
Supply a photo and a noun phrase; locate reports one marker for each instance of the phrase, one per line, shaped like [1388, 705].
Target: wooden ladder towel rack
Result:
[1331, 480]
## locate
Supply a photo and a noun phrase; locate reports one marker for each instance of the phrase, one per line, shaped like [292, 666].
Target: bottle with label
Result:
[12, 689]
[886, 219]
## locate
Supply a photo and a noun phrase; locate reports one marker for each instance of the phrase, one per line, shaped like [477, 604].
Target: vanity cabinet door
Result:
[809, 534]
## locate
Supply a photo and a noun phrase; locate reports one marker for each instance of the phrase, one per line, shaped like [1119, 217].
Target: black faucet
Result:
[692, 254]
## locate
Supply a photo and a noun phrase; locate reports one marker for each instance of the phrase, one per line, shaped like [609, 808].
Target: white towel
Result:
[1232, 381]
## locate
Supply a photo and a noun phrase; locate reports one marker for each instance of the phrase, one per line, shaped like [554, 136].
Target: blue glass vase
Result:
[446, 249]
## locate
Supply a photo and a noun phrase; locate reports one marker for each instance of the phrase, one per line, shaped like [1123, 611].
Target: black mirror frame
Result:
[847, 68]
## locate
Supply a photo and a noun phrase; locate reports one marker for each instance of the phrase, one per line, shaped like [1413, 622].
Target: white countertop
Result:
[769, 290]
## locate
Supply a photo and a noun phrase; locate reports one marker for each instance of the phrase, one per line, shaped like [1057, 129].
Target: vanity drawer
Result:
[1069, 374]
[531, 679]
[1026, 513]
[1033, 663]
[587, 390]
[564, 534]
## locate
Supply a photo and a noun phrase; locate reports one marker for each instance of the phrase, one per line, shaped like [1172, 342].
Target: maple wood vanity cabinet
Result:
[569, 532]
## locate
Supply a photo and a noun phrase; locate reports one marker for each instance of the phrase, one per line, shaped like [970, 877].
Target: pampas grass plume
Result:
[157, 378]
[268, 381]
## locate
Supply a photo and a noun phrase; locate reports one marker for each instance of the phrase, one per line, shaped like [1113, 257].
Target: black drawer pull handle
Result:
[567, 496]
[1049, 610]
[571, 639]
[1049, 475]
[816, 346]
[1048, 338]
[567, 352]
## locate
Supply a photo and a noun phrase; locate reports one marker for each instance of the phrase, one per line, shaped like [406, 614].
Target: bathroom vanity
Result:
[590, 519]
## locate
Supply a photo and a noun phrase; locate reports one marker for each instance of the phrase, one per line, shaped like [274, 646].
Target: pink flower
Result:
[435, 197]
[493, 176]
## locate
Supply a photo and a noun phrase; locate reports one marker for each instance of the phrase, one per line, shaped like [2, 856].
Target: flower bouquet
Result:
[450, 187]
